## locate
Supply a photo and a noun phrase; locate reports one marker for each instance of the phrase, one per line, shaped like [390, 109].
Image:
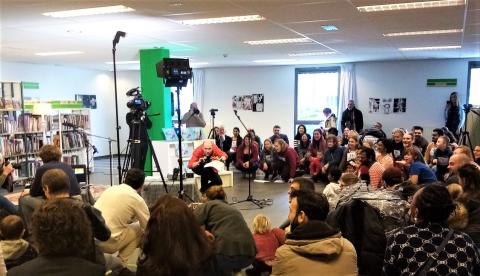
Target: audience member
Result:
[6, 177]
[384, 153]
[315, 166]
[392, 177]
[440, 158]
[174, 244]
[193, 118]
[419, 141]
[302, 152]
[332, 190]
[412, 250]
[348, 183]
[419, 172]
[299, 183]
[127, 220]
[16, 250]
[236, 142]
[469, 179]
[463, 149]
[255, 138]
[397, 144]
[267, 240]
[437, 132]
[373, 169]
[318, 143]
[408, 144]
[302, 130]
[222, 140]
[234, 244]
[458, 219]
[277, 135]
[313, 247]
[201, 156]
[453, 113]
[247, 157]
[350, 153]
[330, 118]
[455, 162]
[50, 156]
[332, 157]
[352, 118]
[268, 160]
[60, 229]
[287, 160]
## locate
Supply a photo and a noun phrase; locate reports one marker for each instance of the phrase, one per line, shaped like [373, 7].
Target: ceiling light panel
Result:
[124, 62]
[411, 5]
[309, 54]
[222, 20]
[62, 53]
[273, 60]
[89, 11]
[451, 31]
[430, 48]
[278, 41]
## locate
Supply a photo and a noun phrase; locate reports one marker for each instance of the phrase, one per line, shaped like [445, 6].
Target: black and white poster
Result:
[399, 105]
[89, 101]
[387, 105]
[253, 102]
[374, 105]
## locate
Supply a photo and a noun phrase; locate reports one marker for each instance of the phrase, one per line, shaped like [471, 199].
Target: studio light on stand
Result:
[114, 50]
[175, 73]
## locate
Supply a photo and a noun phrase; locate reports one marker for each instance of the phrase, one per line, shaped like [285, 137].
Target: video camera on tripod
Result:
[138, 104]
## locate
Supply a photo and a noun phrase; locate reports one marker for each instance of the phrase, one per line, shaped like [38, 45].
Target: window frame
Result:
[298, 71]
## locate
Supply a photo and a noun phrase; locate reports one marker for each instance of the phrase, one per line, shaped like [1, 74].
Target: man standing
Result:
[201, 156]
[125, 213]
[352, 118]
[277, 135]
[313, 247]
[420, 141]
[223, 141]
[193, 118]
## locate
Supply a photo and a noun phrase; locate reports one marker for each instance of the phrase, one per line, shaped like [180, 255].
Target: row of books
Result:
[71, 159]
[28, 123]
[10, 103]
[17, 146]
[28, 167]
[72, 140]
[79, 120]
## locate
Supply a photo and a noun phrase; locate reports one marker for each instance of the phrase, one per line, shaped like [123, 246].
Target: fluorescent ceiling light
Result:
[64, 53]
[220, 20]
[425, 32]
[411, 5]
[90, 11]
[330, 28]
[124, 62]
[193, 64]
[311, 54]
[278, 41]
[273, 60]
[430, 48]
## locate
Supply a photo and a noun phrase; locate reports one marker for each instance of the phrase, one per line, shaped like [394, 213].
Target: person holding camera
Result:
[202, 155]
[138, 123]
[193, 118]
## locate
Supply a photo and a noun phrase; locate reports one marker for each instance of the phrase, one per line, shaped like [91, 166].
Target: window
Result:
[186, 98]
[315, 89]
[473, 94]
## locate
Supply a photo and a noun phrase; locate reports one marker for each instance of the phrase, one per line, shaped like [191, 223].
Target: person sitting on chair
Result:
[203, 155]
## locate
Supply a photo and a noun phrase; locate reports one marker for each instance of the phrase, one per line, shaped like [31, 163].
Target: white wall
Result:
[404, 79]
[62, 83]
[276, 83]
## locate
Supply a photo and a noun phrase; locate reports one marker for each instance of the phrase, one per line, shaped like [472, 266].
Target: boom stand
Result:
[114, 50]
[110, 140]
[249, 198]
[181, 192]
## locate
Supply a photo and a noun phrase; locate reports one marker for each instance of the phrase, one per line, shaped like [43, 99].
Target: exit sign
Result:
[30, 85]
[441, 82]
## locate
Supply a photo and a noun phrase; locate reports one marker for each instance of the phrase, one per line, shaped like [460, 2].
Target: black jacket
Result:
[227, 144]
[58, 266]
[351, 118]
[37, 190]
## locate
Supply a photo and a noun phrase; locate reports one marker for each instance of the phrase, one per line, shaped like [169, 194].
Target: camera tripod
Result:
[134, 153]
[464, 138]
[212, 134]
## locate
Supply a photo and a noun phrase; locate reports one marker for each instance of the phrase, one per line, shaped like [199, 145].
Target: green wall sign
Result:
[441, 82]
[30, 85]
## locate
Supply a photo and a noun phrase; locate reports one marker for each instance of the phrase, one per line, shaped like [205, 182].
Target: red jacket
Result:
[291, 157]
[198, 153]
[253, 160]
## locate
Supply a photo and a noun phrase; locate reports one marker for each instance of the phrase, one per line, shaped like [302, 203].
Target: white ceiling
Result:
[25, 31]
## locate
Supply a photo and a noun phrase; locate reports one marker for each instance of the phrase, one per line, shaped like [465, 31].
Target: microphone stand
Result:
[114, 50]
[258, 203]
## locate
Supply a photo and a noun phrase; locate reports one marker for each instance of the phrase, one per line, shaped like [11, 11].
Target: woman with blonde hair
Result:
[267, 240]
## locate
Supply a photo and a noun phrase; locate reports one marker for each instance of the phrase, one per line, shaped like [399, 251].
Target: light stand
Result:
[114, 50]
[258, 203]
[181, 192]
[212, 134]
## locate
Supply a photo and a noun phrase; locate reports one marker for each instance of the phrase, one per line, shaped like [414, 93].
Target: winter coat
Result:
[315, 248]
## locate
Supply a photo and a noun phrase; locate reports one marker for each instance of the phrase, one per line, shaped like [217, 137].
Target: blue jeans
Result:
[8, 206]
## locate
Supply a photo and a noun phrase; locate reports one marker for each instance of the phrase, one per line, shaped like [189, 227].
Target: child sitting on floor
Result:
[16, 250]
[267, 240]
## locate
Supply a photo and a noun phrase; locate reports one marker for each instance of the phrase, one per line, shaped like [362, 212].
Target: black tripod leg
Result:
[126, 163]
[250, 196]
